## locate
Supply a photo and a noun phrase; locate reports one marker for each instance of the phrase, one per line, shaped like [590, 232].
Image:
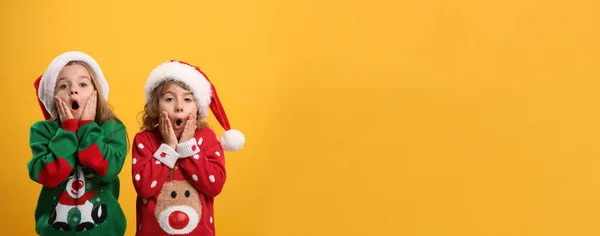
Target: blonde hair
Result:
[152, 114]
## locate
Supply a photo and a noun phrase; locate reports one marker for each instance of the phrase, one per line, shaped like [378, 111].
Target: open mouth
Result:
[178, 123]
[75, 105]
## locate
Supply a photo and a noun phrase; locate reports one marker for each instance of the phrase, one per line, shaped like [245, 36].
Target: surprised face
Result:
[74, 86]
[179, 104]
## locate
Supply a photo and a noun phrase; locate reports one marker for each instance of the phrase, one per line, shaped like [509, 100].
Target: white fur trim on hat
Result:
[186, 74]
[48, 80]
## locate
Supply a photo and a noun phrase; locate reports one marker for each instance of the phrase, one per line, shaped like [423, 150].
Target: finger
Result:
[87, 109]
[188, 123]
[186, 127]
[89, 106]
[195, 119]
[67, 110]
[160, 119]
[95, 100]
[58, 105]
[168, 121]
[170, 127]
[59, 108]
[63, 109]
[162, 122]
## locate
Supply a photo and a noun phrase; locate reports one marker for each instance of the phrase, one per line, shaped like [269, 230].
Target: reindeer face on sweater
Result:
[178, 209]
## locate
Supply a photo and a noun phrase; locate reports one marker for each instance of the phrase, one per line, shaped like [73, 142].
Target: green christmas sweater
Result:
[78, 165]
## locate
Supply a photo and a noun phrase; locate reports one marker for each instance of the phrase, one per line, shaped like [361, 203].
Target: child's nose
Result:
[179, 107]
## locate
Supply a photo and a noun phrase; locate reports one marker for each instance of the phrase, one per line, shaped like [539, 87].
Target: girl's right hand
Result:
[166, 130]
[64, 111]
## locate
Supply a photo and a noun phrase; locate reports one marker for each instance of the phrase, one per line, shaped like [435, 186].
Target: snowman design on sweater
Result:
[77, 195]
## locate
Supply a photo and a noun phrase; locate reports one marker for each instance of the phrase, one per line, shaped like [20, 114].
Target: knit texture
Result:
[78, 165]
[177, 200]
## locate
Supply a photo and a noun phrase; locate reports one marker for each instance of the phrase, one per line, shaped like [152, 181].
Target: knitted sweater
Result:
[78, 164]
[176, 188]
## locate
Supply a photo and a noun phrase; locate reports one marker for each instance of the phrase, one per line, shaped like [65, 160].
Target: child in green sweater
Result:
[78, 151]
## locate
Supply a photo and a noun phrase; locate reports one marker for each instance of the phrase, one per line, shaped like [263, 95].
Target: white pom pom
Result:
[232, 140]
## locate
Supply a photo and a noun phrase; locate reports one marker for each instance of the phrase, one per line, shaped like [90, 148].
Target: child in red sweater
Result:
[178, 165]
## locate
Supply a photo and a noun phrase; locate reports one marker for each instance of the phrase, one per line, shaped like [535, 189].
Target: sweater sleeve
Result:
[206, 169]
[148, 173]
[103, 148]
[54, 152]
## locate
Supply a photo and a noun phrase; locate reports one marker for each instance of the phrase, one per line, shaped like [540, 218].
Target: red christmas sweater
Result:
[176, 188]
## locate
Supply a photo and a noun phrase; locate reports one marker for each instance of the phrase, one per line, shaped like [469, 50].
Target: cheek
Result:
[83, 101]
[193, 108]
[86, 92]
[61, 93]
[162, 106]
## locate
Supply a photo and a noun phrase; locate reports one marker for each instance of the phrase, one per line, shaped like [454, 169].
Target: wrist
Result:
[188, 148]
[83, 122]
[70, 125]
[166, 155]
[183, 140]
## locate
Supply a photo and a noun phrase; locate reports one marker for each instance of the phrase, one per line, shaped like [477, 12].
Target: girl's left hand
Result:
[189, 130]
[89, 111]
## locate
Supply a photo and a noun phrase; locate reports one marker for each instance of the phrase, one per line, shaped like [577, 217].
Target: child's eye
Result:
[169, 99]
[188, 100]
[83, 85]
[63, 86]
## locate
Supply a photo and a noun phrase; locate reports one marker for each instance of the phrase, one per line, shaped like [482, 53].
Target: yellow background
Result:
[363, 117]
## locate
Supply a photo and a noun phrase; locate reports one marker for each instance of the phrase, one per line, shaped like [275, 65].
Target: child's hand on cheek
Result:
[166, 130]
[63, 110]
[89, 111]
[189, 129]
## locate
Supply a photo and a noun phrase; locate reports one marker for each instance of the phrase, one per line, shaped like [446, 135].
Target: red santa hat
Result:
[45, 84]
[204, 92]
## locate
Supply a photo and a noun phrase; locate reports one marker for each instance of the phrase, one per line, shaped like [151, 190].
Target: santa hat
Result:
[204, 92]
[45, 84]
